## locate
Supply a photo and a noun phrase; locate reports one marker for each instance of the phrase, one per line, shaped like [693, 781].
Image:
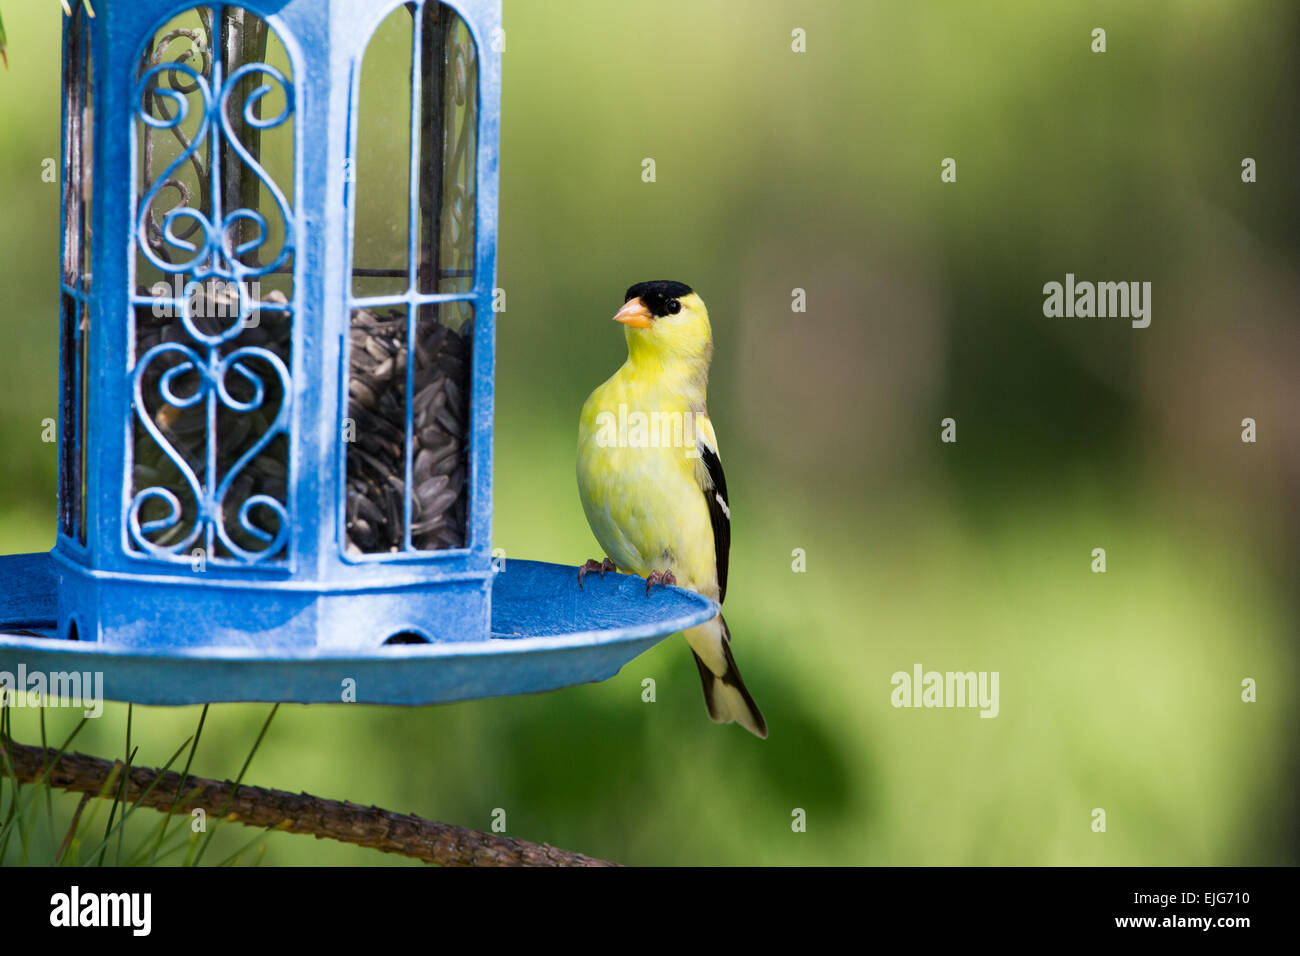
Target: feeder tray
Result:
[277, 332]
[570, 637]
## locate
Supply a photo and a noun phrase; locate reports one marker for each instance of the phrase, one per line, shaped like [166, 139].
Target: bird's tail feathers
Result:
[725, 695]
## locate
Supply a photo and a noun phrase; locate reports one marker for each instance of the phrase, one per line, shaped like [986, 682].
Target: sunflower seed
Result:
[359, 390]
[376, 462]
[426, 492]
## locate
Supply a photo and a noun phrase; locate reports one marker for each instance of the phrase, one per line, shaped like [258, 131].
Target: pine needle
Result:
[235, 789]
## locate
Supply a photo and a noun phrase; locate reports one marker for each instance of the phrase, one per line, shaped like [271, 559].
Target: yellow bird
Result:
[651, 480]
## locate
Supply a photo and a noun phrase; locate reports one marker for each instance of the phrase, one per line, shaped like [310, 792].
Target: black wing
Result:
[715, 493]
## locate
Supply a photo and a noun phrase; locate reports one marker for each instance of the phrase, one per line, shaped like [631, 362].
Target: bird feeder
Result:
[275, 425]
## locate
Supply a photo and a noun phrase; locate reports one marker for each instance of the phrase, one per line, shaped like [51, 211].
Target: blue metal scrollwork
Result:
[211, 371]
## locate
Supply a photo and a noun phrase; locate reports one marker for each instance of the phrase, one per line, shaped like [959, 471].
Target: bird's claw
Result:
[659, 577]
[594, 565]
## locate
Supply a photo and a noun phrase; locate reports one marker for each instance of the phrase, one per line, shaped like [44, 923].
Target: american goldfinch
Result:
[651, 481]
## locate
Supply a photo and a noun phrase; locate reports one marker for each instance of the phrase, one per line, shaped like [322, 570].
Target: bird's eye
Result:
[673, 307]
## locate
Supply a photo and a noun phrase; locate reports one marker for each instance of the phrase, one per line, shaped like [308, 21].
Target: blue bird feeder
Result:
[275, 428]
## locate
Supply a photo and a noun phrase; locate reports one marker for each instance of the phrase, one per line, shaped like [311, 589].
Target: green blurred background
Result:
[820, 170]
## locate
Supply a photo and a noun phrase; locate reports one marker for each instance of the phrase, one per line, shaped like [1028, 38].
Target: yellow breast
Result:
[638, 479]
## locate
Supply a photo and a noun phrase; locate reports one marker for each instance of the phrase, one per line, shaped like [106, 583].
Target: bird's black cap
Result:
[657, 294]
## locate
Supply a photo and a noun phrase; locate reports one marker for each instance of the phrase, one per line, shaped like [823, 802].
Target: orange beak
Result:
[634, 314]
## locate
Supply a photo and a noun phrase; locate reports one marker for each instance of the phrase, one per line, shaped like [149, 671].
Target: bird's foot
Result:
[658, 577]
[594, 565]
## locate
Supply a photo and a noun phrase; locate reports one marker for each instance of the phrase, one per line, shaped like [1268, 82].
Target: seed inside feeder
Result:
[212, 309]
[376, 459]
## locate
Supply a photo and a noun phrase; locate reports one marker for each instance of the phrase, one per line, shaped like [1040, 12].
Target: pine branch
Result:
[408, 835]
